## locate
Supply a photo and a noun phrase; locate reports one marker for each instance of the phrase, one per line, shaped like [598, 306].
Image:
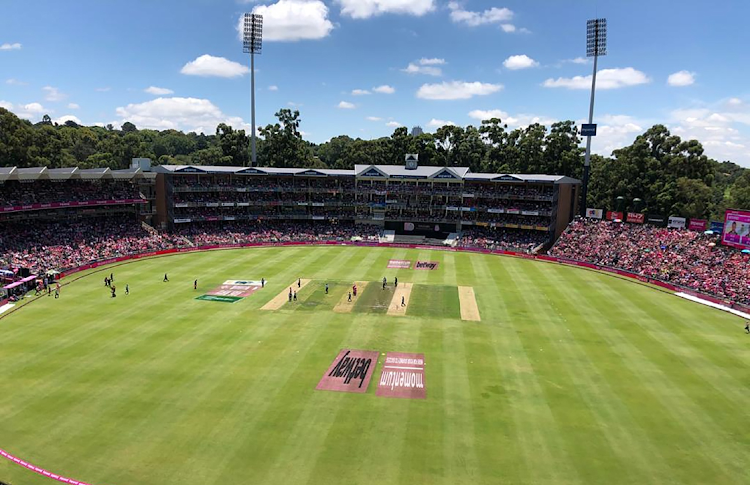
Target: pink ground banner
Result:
[234, 290]
[399, 264]
[402, 376]
[350, 371]
[427, 265]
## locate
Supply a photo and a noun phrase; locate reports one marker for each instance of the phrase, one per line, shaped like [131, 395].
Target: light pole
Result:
[252, 43]
[596, 45]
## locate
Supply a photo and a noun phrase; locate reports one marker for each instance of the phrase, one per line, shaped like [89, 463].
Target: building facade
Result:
[399, 198]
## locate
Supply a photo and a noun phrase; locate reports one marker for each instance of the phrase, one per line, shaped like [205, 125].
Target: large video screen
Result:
[737, 229]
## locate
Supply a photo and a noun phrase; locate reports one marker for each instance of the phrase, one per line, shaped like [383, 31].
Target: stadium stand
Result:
[684, 258]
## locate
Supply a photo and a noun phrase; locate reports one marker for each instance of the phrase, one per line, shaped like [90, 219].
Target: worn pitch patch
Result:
[402, 376]
[399, 264]
[468, 301]
[428, 265]
[350, 371]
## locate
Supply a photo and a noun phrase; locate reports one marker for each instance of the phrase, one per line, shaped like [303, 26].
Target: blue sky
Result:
[411, 62]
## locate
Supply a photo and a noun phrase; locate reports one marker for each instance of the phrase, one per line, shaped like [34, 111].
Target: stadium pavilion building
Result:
[408, 199]
[45, 194]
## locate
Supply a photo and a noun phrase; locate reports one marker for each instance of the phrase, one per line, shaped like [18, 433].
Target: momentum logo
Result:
[402, 376]
[351, 371]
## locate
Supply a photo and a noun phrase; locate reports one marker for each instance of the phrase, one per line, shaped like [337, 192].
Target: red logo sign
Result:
[636, 218]
[614, 216]
[351, 371]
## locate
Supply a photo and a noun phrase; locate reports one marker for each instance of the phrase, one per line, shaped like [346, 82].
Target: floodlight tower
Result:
[252, 43]
[596, 45]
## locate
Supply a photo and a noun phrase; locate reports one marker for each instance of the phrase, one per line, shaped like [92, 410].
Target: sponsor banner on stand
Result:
[615, 216]
[350, 371]
[636, 218]
[677, 222]
[402, 376]
[428, 265]
[496, 211]
[56, 205]
[399, 264]
[717, 227]
[656, 219]
[699, 225]
[594, 213]
[736, 229]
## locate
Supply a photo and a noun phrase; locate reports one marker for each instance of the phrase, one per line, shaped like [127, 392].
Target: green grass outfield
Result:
[571, 377]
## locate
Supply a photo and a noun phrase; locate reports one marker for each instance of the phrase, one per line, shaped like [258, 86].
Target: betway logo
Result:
[426, 265]
[350, 368]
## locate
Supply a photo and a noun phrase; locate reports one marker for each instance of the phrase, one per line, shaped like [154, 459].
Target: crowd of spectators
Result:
[43, 246]
[684, 258]
[264, 232]
[45, 191]
[502, 239]
[60, 245]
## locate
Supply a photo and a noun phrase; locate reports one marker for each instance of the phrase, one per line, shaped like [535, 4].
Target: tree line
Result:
[659, 173]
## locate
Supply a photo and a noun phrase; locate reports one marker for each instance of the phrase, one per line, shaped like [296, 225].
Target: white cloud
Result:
[31, 111]
[457, 90]
[10, 47]
[210, 66]
[73, 106]
[434, 61]
[518, 121]
[345, 105]
[360, 92]
[416, 69]
[606, 79]
[434, 123]
[273, 88]
[494, 15]
[579, 60]
[53, 94]
[33, 108]
[156, 91]
[188, 114]
[519, 62]
[292, 20]
[373, 118]
[15, 82]
[384, 89]
[103, 90]
[734, 101]
[362, 9]
[681, 78]
[393, 124]
[720, 127]
[61, 120]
